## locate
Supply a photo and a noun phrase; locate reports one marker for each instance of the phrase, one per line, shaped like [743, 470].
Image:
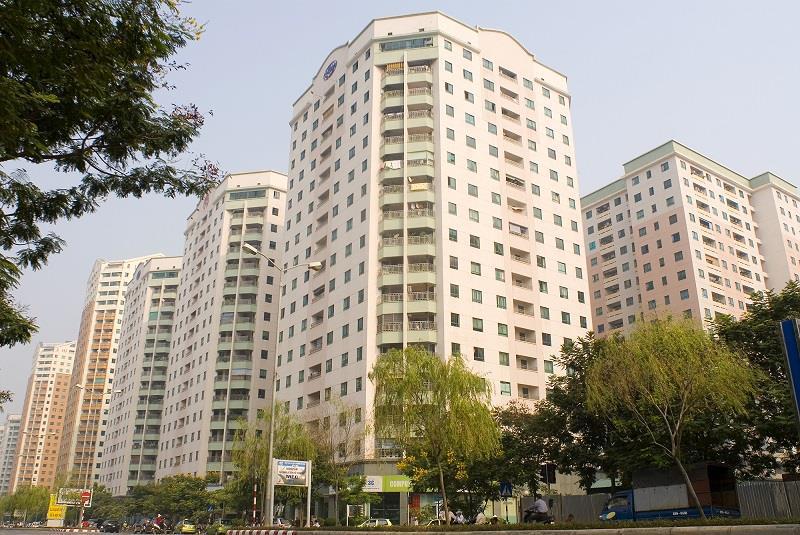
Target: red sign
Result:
[86, 496]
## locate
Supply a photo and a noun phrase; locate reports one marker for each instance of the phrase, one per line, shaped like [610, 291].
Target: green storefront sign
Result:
[387, 484]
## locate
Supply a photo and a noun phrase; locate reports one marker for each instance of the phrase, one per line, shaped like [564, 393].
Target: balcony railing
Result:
[421, 325]
[515, 163]
[390, 269]
[421, 296]
[390, 298]
[418, 114]
[390, 327]
[421, 268]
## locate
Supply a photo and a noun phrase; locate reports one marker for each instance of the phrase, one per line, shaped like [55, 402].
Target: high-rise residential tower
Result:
[93, 373]
[223, 334]
[680, 234]
[432, 171]
[134, 417]
[9, 435]
[43, 415]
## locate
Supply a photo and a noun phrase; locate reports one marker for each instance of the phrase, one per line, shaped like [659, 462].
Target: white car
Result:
[376, 523]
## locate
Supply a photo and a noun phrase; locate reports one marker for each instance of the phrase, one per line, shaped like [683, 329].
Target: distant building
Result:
[9, 435]
[43, 415]
[93, 373]
[679, 234]
[223, 336]
[134, 419]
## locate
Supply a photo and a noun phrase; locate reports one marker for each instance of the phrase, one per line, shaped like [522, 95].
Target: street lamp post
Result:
[312, 266]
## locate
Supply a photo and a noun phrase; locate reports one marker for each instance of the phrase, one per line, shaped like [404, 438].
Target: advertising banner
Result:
[74, 497]
[387, 484]
[291, 473]
[55, 511]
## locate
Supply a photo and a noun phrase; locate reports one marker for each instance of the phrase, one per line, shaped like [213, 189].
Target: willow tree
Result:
[435, 406]
[251, 450]
[666, 375]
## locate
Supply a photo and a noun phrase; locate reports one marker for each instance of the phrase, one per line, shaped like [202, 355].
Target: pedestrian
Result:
[460, 518]
[480, 518]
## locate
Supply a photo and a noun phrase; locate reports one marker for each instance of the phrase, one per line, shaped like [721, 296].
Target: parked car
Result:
[110, 526]
[185, 527]
[376, 523]
[218, 528]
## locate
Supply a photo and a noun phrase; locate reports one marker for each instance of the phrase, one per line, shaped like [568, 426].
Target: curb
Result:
[75, 530]
[261, 532]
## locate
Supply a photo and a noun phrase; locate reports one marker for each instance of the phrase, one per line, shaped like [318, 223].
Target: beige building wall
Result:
[432, 172]
[223, 329]
[776, 205]
[134, 419]
[42, 421]
[86, 412]
[680, 234]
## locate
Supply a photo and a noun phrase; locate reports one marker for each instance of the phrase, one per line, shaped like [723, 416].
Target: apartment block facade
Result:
[432, 172]
[134, 419]
[86, 413]
[223, 328]
[9, 436]
[679, 234]
[42, 423]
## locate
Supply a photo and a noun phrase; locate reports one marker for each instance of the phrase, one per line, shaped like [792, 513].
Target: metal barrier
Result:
[769, 499]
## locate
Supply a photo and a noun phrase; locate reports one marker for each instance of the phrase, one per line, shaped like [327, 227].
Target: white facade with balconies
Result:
[432, 171]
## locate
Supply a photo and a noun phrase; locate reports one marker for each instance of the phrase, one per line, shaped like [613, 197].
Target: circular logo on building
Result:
[329, 70]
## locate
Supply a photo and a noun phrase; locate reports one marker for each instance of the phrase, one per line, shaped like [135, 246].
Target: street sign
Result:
[789, 330]
[506, 489]
[73, 497]
[291, 473]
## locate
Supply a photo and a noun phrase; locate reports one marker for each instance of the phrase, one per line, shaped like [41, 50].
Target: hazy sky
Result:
[722, 77]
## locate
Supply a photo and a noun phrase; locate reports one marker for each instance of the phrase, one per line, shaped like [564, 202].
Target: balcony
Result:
[420, 119]
[392, 121]
[421, 325]
[392, 99]
[419, 98]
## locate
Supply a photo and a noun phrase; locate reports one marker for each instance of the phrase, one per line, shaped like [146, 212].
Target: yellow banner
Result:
[56, 512]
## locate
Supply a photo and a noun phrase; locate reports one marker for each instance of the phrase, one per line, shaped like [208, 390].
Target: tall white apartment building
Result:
[42, 421]
[433, 173]
[223, 329]
[9, 435]
[86, 413]
[680, 234]
[134, 418]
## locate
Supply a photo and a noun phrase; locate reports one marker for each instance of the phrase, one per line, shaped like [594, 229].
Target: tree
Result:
[251, 454]
[581, 440]
[5, 397]
[435, 406]
[666, 375]
[32, 502]
[77, 92]
[181, 496]
[772, 437]
[109, 507]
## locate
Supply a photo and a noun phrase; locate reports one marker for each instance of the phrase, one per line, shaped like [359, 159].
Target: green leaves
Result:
[77, 93]
[436, 407]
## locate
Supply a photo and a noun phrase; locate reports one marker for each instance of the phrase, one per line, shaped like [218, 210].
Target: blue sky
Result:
[719, 76]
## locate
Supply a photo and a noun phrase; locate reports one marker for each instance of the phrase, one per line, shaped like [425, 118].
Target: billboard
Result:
[74, 497]
[291, 473]
[55, 511]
